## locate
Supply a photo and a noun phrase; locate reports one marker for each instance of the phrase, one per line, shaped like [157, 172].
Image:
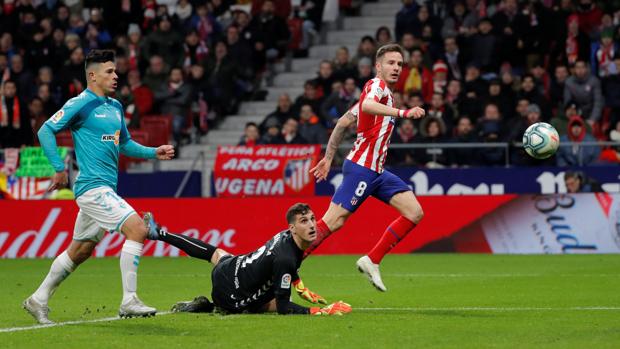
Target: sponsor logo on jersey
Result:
[354, 201]
[286, 281]
[112, 138]
[56, 117]
[100, 115]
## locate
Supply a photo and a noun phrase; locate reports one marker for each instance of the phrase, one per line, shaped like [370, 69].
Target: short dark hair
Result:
[389, 48]
[99, 56]
[250, 124]
[297, 209]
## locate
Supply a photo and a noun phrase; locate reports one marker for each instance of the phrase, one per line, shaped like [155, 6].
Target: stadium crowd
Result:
[483, 69]
[195, 60]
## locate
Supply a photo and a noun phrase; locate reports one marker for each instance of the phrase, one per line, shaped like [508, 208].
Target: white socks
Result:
[60, 269]
[130, 258]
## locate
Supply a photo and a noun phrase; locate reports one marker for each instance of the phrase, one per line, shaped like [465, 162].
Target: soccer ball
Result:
[541, 140]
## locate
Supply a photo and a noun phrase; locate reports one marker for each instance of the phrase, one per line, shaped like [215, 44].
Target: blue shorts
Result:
[359, 183]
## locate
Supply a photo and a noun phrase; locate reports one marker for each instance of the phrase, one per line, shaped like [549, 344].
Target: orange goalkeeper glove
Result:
[338, 308]
[306, 294]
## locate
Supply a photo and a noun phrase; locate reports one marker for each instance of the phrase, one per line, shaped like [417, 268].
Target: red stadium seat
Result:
[159, 128]
[139, 136]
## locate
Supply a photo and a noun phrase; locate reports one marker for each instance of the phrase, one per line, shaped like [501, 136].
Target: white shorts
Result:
[101, 210]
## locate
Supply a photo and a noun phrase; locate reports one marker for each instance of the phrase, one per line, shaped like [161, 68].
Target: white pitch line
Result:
[76, 322]
[499, 309]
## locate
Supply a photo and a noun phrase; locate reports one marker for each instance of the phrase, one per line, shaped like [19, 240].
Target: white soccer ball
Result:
[541, 140]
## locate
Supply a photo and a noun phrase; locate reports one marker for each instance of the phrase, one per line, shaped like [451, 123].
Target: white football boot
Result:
[38, 311]
[366, 266]
[135, 308]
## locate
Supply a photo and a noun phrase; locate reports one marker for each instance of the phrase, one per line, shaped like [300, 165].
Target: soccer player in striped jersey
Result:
[363, 170]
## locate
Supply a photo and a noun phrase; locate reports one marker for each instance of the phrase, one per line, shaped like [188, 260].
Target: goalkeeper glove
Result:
[338, 308]
[306, 294]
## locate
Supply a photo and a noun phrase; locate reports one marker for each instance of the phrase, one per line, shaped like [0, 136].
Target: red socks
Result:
[322, 231]
[395, 232]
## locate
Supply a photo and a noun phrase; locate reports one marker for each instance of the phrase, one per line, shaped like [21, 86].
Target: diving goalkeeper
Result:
[259, 281]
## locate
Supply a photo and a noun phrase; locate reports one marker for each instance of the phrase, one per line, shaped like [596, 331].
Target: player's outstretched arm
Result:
[321, 170]
[371, 106]
[306, 294]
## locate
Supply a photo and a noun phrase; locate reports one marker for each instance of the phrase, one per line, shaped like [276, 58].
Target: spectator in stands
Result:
[366, 49]
[383, 36]
[310, 126]
[195, 50]
[364, 72]
[122, 68]
[463, 134]
[273, 134]
[240, 50]
[15, 126]
[59, 52]
[589, 16]
[408, 43]
[343, 67]
[339, 102]
[175, 99]
[143, 96]
[404, 17]
[490, 132]
[454, 96]
[459, 23]
[579, 182]
[308, 97]
[438, 109]
[577, 155]
[223, 75]
[135, 48]
[72, 76]
[290, 133]
[474, 82]
[405, 133]
[585, 90]
[603, 52]
[423, 18]
[37, 116]
[283, 112]
[484, 46]
[556, 88]
[432, 130]
[165, 42]
[505, 100]
[132, 117]
[205, 25]
[271, 35]
[325, 79]
[44, 94]
[416, 78]
[577, 44]
[156, 74]
[250, 135]
[22, 77]
[453, 58]
[560, 121]
[491, 114]
[532, 94]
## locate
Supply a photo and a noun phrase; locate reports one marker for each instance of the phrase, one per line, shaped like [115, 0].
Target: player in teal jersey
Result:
[99, 133]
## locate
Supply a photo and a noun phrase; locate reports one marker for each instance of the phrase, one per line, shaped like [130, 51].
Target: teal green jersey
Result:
[99, 133]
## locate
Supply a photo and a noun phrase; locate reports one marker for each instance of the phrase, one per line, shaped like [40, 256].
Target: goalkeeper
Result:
[259, 281]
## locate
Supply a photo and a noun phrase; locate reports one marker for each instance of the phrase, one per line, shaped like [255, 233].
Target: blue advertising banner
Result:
[161, 184]
[490, 180]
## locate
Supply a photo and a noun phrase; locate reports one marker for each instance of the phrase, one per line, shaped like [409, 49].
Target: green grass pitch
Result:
[434, 300]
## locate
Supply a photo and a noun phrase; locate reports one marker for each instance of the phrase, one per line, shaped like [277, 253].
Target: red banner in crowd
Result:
[265, 170]
[43, 228]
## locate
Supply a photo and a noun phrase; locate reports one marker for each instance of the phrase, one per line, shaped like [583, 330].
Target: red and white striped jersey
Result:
[373, 131]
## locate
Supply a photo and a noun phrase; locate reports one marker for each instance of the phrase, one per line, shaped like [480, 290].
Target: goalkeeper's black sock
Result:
[193, 247]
